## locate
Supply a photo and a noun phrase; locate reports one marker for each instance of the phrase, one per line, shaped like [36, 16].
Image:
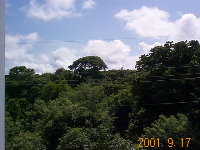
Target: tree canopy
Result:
[88, 107]
[171, 55]
[88, 66]
[21, 73]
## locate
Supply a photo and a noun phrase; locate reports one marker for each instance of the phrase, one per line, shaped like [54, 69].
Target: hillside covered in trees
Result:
[89, 107]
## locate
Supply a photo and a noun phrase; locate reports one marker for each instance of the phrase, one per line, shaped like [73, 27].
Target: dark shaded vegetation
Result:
[87, 107]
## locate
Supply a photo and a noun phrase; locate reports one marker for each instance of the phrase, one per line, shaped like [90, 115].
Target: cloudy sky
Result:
[49, 34]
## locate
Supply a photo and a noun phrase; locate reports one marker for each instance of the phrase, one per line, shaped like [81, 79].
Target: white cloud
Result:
[147, 47]
[88, 4]
[63, 57]
[146, 22]
[38, 67]
[17, 53]
[45, 58]
[187, 28]
[114, 53]
[155, 23]
[51, 9]
[15, 49]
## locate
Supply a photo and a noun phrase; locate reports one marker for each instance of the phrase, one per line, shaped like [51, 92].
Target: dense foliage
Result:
[87, 107]
[88, 67]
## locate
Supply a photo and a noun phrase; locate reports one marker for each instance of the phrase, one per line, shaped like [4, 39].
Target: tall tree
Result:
[178, 54]
[21, 73]
[88, 66]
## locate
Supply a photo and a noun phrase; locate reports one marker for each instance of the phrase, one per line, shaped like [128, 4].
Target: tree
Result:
[87, 93]
[17, 138]
[17, 107]
[172, 77]
[20, 82]
[51, 90]
[54, 119]
[62, 74]
[74, 139]
[174, 127]
[178, 54]
[88, 66]
[21, 73]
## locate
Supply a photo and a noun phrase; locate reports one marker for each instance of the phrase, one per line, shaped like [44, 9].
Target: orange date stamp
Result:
[168, 143]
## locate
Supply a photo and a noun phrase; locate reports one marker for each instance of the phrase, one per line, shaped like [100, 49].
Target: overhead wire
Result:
[181, 102]
[73, 41]
[174, 67]
[166, 80]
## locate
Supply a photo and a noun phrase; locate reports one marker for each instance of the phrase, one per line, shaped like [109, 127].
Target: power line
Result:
[44, 42]
[74, 41]
[174, 67]
[164, 80]
[185, 102]
[102, 80]
[110, 81]
[173, 75]
[10, 83]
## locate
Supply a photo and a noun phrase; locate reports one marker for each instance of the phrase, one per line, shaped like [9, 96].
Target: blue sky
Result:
[38, 32]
